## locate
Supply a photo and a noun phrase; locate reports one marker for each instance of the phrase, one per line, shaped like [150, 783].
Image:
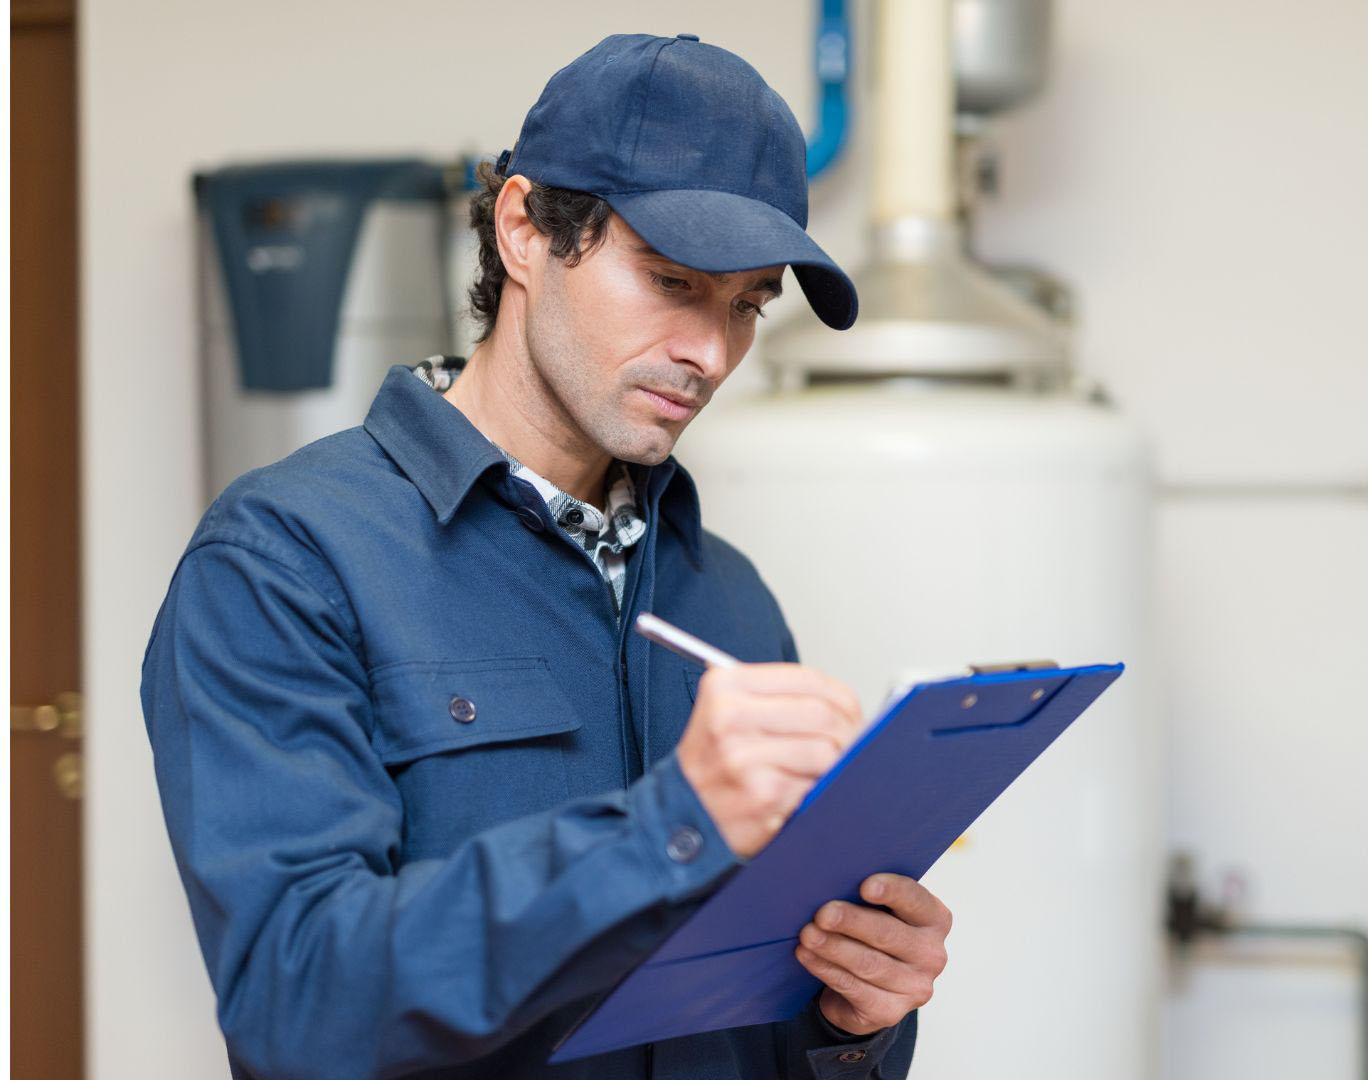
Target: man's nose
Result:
[704, 345]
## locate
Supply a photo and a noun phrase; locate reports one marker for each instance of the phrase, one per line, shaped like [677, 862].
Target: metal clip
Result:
[1012, 665]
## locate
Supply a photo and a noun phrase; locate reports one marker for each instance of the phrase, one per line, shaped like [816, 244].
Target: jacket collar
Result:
[678, 504]
[438, 449]
[444, 454]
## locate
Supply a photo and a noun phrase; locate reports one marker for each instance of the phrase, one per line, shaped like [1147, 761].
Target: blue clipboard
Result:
[931, 763]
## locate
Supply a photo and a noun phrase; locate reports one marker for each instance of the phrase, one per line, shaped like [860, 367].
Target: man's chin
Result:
[644, 457]
[650, 448]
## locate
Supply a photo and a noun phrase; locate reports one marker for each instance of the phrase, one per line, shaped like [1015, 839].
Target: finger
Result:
[907, 898]
[771, 795]
[792, 793]
[801, 756]
[877, 929]
[792, 679]
[871, 965]
[869, 1002]
[789, 715]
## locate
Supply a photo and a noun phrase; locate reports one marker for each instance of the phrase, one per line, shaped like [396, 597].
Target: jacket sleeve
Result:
[327, 956]
[814, 1049]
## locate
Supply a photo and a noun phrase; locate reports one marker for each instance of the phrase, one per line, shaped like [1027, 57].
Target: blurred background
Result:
[1108, 399]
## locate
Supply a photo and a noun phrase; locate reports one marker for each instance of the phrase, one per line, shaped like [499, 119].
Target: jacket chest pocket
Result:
[470, 744]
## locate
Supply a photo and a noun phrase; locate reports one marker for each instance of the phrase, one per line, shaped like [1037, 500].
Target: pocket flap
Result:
[427, 706]
[693, 673]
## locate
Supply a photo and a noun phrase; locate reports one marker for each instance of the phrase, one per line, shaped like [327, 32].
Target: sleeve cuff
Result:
[681, 840]
[833, 1054]
[831, 1031]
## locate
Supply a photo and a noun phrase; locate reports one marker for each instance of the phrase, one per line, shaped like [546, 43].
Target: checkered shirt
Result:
[605, 536]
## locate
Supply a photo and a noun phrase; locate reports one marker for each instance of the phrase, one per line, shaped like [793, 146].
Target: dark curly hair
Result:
[575, 222]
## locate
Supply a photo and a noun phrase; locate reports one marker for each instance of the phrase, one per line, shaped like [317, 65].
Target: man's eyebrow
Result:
[772, 285]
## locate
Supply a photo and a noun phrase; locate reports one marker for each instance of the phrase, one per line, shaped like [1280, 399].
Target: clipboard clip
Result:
[1013, 665]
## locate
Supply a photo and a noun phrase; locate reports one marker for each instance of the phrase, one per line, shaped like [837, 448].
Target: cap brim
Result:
[719, 232]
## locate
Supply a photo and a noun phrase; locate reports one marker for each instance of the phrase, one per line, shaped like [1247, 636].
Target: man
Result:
[428, 795]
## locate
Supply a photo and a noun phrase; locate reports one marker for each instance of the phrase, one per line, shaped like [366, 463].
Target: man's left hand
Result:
[878, 965]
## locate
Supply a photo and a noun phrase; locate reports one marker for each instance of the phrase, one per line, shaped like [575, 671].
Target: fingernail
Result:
[875, 888]
[816, 937]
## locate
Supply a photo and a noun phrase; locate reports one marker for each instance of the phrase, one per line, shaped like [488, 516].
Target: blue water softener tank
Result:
[316, 276]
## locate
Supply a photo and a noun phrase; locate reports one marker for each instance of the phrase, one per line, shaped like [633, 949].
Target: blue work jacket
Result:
[419, 779]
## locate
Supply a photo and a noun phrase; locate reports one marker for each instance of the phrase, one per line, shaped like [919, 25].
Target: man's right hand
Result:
[759, 737]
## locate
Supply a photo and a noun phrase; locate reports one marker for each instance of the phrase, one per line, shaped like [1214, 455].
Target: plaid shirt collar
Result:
[620, 526]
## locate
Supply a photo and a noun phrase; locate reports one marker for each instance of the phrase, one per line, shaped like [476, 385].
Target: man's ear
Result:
[522, 245]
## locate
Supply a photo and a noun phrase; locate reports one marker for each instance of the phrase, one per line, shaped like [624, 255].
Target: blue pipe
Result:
[833, 71]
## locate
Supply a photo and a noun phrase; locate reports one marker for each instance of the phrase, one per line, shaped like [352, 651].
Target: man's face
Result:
[631, 345]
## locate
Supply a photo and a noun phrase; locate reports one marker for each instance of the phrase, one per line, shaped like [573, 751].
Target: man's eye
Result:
[669, 284]
[749, 310]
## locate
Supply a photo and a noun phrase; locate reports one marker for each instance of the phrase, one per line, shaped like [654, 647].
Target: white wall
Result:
[1192, 170]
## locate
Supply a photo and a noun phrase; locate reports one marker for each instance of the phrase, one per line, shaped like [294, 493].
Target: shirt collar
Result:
[444, 454]
[619, 524]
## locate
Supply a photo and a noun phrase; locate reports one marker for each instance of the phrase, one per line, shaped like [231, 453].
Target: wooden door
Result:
[45, 665]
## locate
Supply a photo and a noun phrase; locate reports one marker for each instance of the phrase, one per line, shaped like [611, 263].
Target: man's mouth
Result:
[672, 405]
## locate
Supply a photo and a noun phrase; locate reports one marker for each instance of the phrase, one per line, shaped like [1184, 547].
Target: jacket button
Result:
[685, 844]
[852, 1056]
[531, 518]
[462, 710]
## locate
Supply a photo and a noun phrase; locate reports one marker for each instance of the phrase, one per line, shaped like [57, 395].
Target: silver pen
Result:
[685, 644]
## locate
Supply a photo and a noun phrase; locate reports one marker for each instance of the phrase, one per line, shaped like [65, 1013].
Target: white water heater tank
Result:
[913, 526]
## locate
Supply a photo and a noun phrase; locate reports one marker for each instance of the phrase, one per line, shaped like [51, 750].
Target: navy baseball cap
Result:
[691, 147]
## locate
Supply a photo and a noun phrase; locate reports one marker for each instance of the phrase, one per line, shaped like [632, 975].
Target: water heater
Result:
[316, 276]
[929, 490]
[909, 528]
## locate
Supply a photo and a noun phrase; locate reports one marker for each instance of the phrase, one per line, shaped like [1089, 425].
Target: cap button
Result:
[687, 37]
